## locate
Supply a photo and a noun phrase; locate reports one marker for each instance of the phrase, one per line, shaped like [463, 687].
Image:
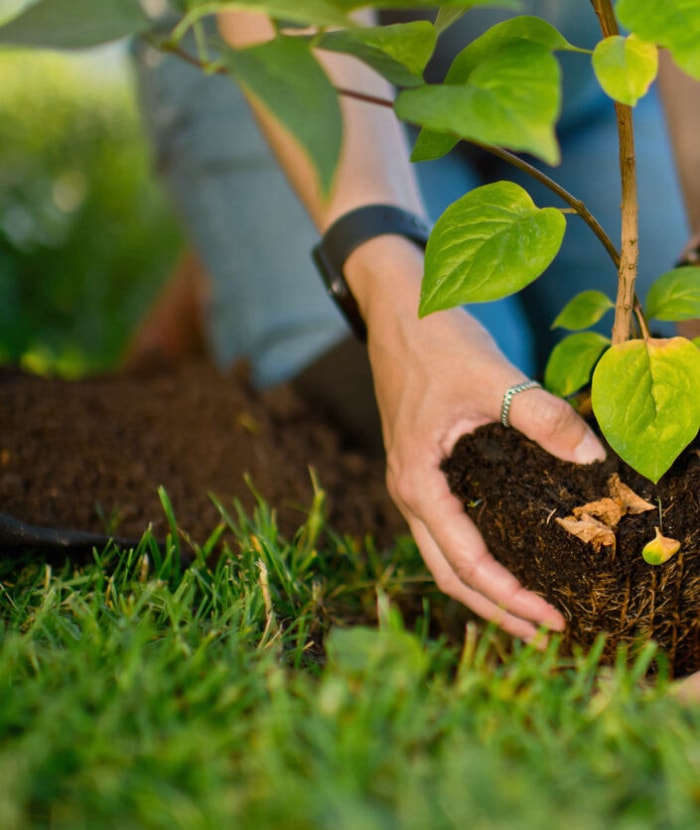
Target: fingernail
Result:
[589, 450]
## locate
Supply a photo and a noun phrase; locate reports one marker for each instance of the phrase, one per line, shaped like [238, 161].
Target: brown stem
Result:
[629, 249]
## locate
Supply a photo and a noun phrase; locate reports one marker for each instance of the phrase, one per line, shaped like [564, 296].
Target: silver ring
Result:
[511, 393]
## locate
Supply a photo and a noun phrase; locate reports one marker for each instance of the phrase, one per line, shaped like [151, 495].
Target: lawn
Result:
[277, 685]
[304, 682]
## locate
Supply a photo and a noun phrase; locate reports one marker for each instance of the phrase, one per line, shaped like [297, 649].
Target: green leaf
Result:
[625, 67]
[675, 295]
[301, 12]
[351, 5]
[286, 79]
[583, 311]
[430, 145]
[400, 52]
[572, 362]
[645, 398]
[511, 99]
[674, 24]
[487, 245]
[74, 24]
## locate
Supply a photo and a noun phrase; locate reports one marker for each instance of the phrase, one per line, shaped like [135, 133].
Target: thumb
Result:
[555, 426]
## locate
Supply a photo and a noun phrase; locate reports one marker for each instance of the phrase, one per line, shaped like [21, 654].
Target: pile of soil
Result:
[515, 491]
[91, 454]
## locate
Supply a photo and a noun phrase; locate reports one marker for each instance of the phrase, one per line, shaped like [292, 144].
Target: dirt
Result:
[515, 491]
[91, 454]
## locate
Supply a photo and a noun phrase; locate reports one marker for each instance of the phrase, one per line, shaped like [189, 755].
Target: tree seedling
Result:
[503, 93]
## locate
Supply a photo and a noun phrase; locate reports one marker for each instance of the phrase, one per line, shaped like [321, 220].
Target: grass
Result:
[279, 685]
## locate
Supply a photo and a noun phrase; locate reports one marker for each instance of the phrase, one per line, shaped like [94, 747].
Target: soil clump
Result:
[515, 491]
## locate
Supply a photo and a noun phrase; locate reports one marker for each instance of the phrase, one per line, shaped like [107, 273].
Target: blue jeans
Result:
[254, 238]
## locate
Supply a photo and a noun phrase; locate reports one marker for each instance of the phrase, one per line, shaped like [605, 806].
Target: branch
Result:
[629, 243]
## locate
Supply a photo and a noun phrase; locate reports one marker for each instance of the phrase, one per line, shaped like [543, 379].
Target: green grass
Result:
[279, 685]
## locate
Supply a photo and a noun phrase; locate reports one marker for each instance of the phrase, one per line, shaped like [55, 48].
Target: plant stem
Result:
[629, 248]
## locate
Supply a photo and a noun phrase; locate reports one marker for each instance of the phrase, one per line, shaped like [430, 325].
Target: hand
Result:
[426, 373]
[687, 690]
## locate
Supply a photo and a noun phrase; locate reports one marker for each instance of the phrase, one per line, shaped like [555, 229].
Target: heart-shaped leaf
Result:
[583, 310]
[286, 79]
[430, 145]
[675, 295]
[625, 67]
[490, 243]
[511, 99]
[645, 398]
[572, 361]
[399, 52]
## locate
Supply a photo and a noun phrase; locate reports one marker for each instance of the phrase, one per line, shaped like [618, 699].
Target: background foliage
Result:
[86, 234]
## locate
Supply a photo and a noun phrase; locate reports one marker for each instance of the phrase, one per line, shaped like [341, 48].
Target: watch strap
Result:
[346, 234]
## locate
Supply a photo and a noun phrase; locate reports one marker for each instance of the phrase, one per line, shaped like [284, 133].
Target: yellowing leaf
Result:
[660, 549]
[625, 67]
[645, 398]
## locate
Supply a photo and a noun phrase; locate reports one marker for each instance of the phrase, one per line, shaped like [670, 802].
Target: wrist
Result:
[385, 275]
[353, 268]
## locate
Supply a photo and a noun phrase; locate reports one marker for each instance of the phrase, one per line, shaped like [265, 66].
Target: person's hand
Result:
[687, 690]
[436, 379]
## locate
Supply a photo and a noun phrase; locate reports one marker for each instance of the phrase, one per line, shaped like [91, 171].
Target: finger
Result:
[460, 543]
[688, 689]
[449, 583]
[555, 426]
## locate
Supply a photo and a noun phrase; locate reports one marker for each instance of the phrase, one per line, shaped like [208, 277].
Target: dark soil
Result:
[91, 454]
[513, 490]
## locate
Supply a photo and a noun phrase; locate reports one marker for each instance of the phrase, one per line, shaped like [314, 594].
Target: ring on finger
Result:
[511, 393]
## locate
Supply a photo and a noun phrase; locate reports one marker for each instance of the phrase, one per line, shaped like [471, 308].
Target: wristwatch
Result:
[349, 232]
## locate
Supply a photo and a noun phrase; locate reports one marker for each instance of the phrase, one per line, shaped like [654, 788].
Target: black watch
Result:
[349, 232]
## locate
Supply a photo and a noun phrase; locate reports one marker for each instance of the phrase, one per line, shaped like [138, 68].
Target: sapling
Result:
[502, 93]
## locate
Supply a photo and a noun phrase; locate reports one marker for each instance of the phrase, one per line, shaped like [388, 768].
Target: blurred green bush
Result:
[87, 236]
